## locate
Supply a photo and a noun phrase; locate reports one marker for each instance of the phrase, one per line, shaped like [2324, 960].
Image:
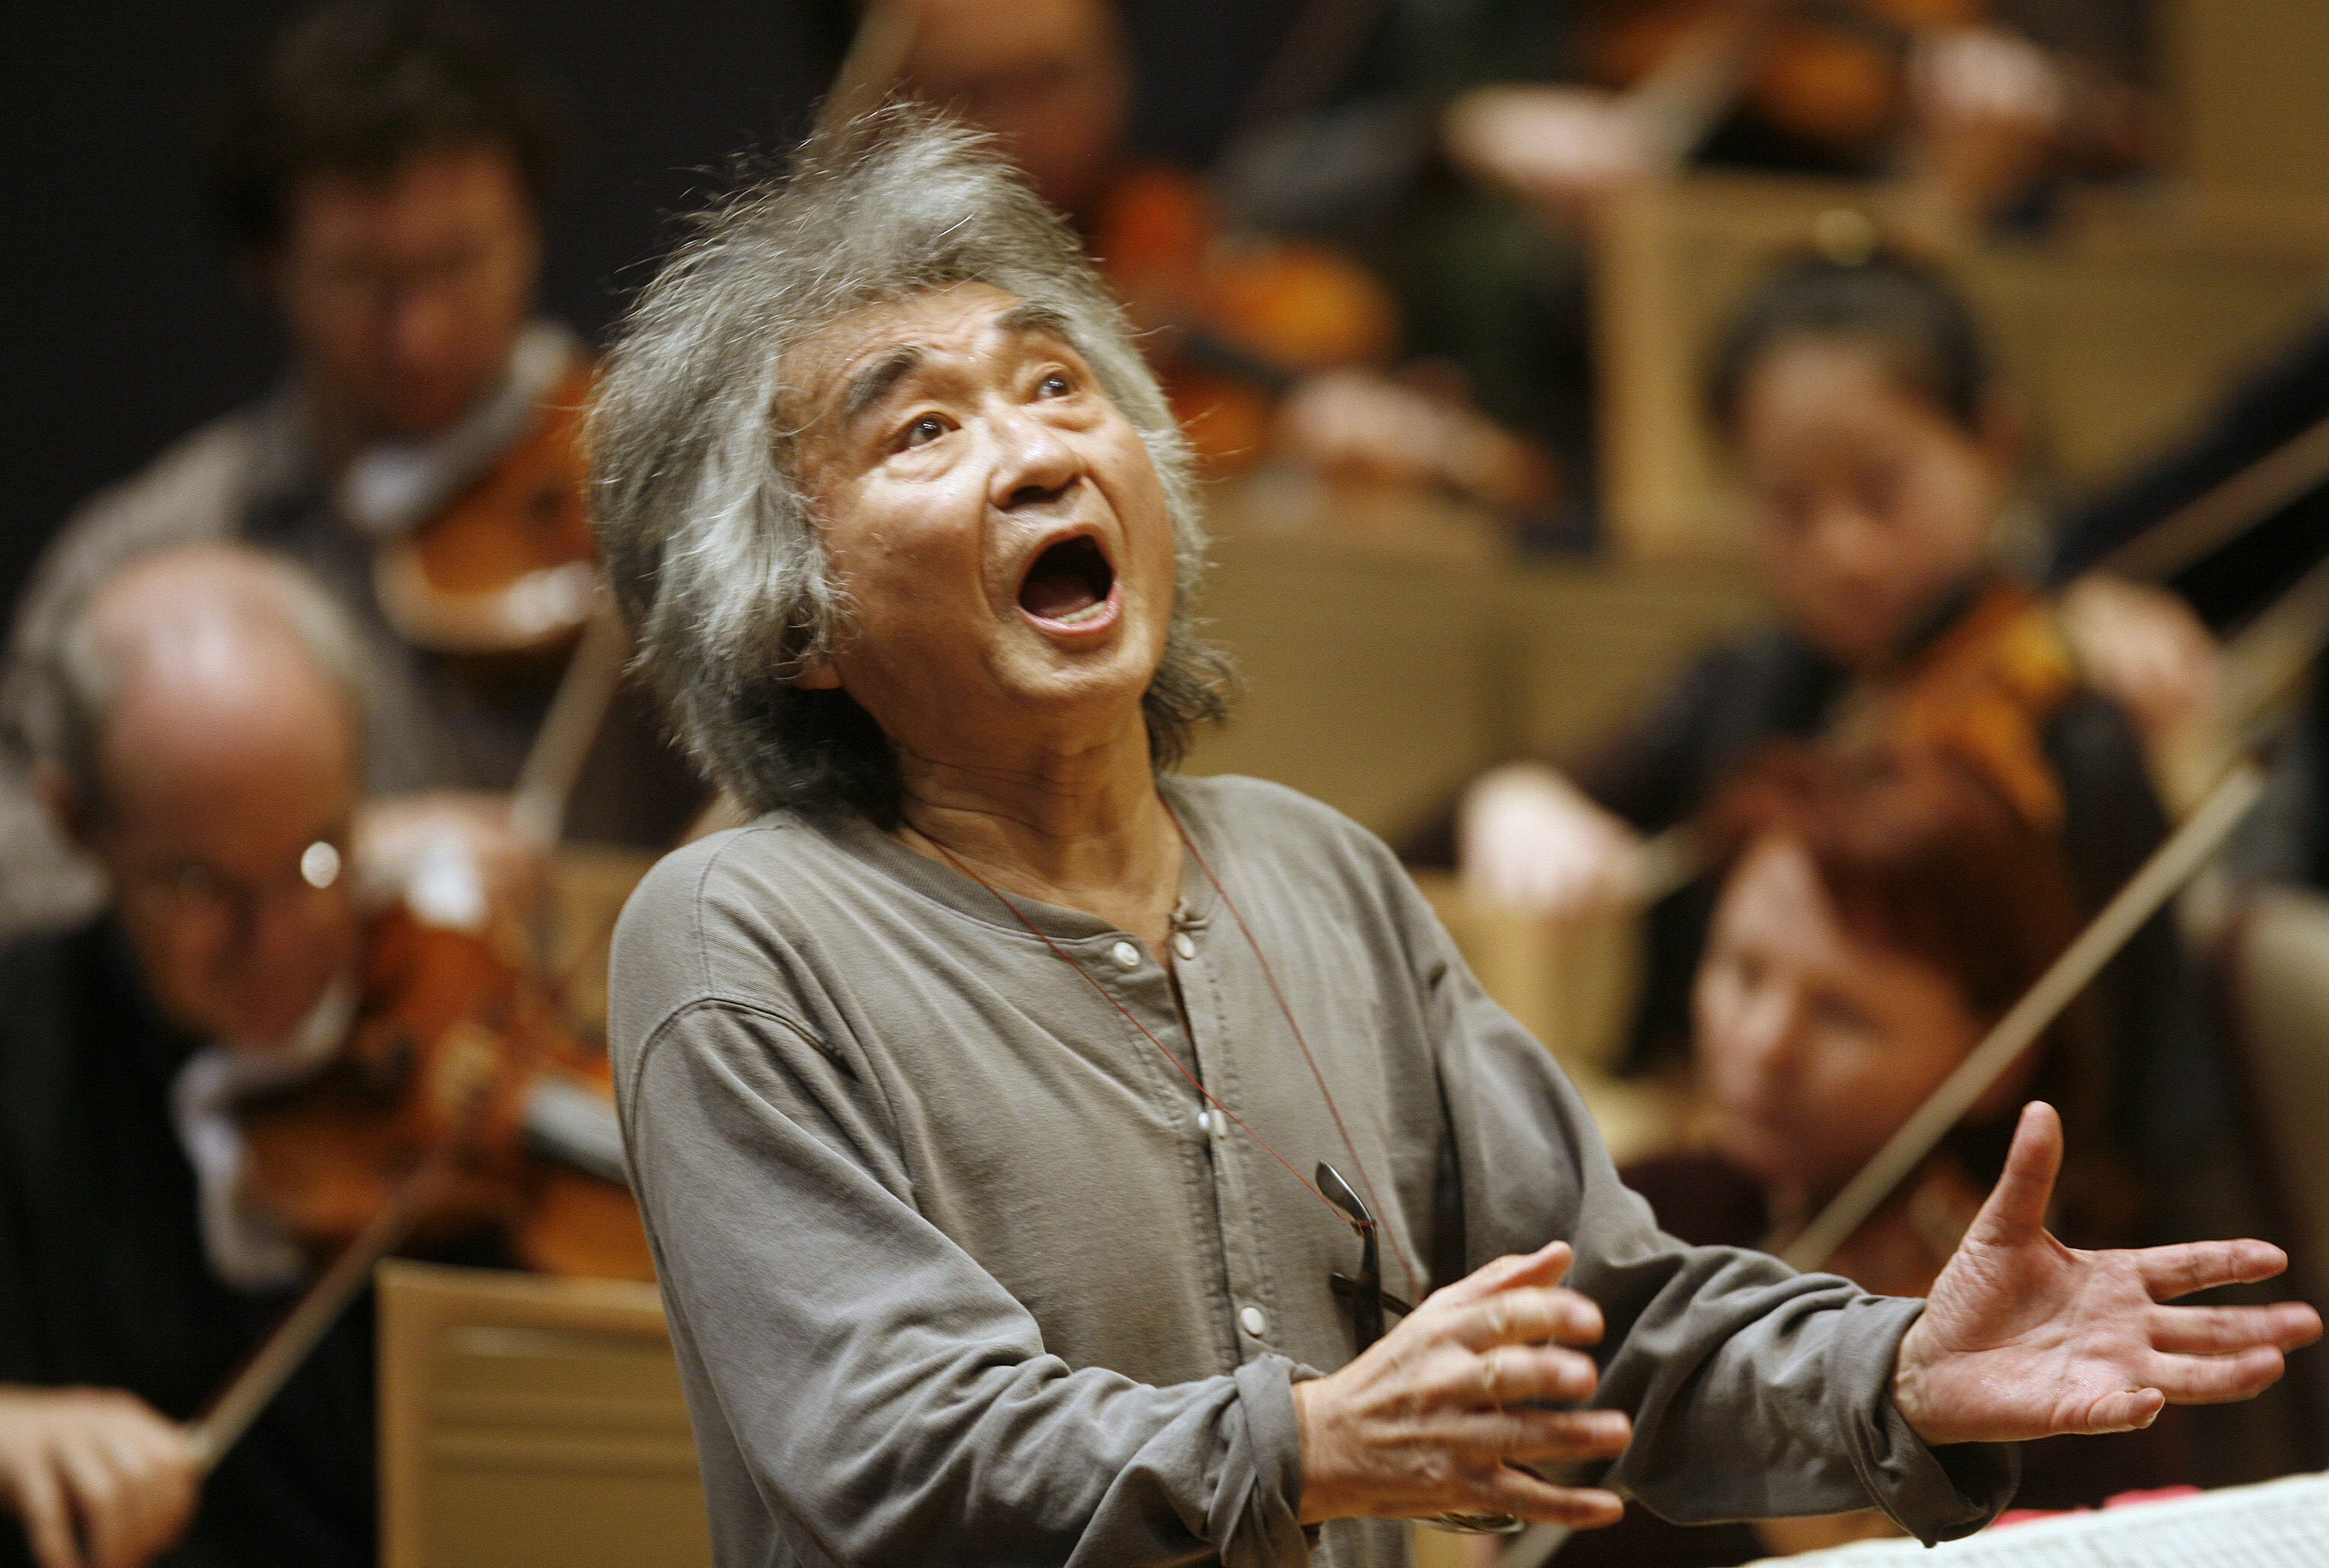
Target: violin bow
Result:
[877, 55]
[553, 764]
[2261, 664]
[210, 1435]
[2174, 862]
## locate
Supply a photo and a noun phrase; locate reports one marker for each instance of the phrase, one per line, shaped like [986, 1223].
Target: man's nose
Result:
[1033, 463]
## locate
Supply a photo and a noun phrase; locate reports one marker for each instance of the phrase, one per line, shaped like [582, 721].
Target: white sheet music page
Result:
[2282, 1524]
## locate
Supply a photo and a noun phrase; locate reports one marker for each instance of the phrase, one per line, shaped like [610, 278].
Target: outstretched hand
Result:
[2025, 1337]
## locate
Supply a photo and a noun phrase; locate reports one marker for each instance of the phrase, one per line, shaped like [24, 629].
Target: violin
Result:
[1830, 74]
[461, 1106]
[453, 1045]
[509, 568]
[1981, 693]
[1232, 320]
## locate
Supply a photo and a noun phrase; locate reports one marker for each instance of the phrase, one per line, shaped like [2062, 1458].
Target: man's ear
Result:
[820, 676]
[66, 808]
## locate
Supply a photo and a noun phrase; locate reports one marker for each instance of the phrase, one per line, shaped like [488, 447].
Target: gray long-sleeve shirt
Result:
[958, 1272]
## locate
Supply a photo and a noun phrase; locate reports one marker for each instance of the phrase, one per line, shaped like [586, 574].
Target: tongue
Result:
[1054, 596]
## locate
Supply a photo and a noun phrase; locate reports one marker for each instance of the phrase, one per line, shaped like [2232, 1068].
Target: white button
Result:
[1253, 1322]
[1125, 954]
[1212, 1122]
[1184, 944]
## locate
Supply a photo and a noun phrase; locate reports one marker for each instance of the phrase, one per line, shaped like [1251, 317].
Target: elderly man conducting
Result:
[1036, 1144]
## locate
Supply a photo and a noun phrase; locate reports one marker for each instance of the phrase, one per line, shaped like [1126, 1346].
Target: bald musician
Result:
[200, 737]
[978, 1094]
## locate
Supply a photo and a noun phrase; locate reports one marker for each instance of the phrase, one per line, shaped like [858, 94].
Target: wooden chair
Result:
[526, 1420]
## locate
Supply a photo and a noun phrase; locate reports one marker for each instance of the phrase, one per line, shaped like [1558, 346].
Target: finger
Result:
[48, 1520]
[1549, 1436]
[1528, 1315]
[2016, 1208]
[2129, 1411]
[2178, 1271]
[2227, 1330]
[158, 1486]
[1517, 1492]
[2216, 1379]
[99, 1502]
[1516, 1374]
[1540, 1267]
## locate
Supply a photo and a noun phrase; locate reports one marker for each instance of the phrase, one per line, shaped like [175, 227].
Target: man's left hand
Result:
[2024, 1337]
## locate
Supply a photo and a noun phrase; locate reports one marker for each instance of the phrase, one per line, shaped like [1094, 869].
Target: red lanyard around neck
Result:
[1399, 1250]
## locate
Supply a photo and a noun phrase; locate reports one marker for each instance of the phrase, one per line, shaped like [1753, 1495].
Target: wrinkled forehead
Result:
[846, 366]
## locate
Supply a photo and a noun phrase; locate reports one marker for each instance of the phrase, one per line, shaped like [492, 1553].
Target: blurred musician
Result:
[1878, 456]
[1264, 344]
[200, 737]
[1877, 917]
[381, 174]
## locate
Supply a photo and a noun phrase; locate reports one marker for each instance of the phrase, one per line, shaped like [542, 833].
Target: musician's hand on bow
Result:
[1432, 1418]
[1569, 149]
[93, 1465]
[1528, 838]
[459, 857]
[2025, 1337]
[2142, 648]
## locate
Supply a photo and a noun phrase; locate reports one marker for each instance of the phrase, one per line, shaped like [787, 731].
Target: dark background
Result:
[125, 325]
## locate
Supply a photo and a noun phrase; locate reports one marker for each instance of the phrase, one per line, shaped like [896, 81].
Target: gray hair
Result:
[704, 524]
[65, 693]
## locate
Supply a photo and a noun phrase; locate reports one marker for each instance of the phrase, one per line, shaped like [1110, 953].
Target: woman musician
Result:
[1878, 456]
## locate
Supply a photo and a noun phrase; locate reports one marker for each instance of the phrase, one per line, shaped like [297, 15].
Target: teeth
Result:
[1074, 617]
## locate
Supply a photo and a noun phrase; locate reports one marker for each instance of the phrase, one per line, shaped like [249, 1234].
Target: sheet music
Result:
[2282, 1524]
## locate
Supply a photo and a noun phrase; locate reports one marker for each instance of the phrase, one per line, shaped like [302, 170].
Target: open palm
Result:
[2024, 1337]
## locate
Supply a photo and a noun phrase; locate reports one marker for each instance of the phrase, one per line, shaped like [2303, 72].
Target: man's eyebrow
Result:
[1028, 316]
[872, 383]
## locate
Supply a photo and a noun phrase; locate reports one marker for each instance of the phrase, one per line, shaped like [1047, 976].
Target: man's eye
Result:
[927, 428]
[1056, 384]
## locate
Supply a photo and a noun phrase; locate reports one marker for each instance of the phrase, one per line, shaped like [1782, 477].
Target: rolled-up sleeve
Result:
[881, 1396]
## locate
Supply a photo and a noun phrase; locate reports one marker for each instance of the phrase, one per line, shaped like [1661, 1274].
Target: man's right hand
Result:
[93, 1466]
[1435, 1416]
[1527, 837]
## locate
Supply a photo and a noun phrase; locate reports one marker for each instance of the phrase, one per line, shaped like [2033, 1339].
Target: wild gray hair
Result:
[63, 695]
[703, 523]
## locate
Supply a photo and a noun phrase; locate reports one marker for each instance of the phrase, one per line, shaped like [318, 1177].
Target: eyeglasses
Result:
[1364, 1295]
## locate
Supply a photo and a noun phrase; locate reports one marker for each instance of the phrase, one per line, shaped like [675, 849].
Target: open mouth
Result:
[1068, 583]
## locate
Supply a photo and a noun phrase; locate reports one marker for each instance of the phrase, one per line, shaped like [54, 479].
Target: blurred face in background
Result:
[224, 833]
[1813, 1043]
[1868, 501]
[402, 297]
[1049, 77]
